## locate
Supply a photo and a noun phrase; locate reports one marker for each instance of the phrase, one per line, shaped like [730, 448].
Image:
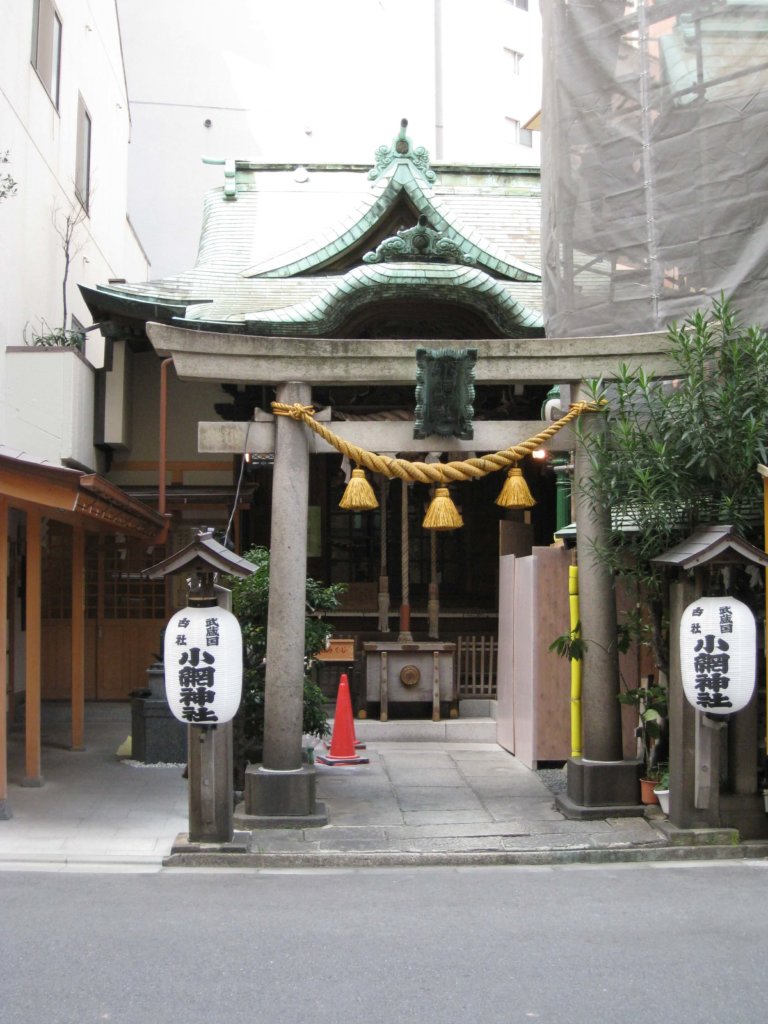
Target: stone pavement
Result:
[424, 801]
[94, 807]
[440, 802]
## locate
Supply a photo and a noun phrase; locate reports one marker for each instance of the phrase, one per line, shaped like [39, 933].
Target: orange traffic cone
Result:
[359, 745]
[343, 741]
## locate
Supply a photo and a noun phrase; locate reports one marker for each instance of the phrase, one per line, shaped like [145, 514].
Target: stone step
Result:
[720, 837]
[448, 730]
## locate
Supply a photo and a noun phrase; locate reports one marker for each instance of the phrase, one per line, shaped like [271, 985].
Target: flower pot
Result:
[662, 795]
[647, 794]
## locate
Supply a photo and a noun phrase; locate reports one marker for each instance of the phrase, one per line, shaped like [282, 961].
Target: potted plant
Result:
[651, 704]
[661, 789]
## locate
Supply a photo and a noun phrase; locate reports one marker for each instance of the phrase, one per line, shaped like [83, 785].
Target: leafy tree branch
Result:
[676, 454]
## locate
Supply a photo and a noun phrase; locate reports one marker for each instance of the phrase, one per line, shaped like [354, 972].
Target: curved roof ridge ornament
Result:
[421, 242]
[402, 149]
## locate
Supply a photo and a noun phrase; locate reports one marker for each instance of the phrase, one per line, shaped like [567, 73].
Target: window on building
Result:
[513, 60]
[521, 4]
[517, 135]
[46, 46]
[83, 156]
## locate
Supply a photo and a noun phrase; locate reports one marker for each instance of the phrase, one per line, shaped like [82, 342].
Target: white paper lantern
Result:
[718, 654]
[203, 658]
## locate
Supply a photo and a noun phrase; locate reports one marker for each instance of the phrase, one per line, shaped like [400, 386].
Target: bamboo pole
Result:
[573, 603]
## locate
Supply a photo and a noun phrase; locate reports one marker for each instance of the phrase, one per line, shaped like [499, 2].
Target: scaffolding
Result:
[654, 162]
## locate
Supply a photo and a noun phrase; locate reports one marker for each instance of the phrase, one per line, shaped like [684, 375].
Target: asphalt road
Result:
[562, 945]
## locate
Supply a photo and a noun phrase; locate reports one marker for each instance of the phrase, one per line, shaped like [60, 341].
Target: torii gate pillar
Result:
[601, 782]
[281, 787]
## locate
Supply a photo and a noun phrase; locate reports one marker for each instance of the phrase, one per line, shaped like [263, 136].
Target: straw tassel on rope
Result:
[442, 514]
[515, 492]
[359, 496]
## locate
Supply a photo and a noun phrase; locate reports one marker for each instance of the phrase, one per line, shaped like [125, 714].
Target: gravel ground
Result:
[553, 778]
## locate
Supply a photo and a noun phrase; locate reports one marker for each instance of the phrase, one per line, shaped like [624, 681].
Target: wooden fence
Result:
[476, 658]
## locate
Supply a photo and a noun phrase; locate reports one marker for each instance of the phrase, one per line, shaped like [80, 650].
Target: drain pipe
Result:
[573, 603]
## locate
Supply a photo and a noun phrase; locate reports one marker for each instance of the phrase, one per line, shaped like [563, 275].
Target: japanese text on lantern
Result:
[197, 669]
[711, 659]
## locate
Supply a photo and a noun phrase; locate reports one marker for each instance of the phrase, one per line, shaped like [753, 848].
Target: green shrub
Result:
[250, 603]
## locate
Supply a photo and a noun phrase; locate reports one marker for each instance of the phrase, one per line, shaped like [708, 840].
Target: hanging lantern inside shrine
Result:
[718, 654]
[203, 657]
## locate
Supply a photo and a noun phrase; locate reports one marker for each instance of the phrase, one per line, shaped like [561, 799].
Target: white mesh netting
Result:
[654, 162]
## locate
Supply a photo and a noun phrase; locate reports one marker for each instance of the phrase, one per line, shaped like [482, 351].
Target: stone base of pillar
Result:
[240, 843]
[5, 810]
[280, 799]
[601, 789]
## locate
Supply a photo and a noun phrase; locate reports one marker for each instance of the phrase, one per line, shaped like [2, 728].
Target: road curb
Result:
[480, 858]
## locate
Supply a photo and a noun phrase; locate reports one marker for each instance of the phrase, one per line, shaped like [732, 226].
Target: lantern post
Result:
[763, 471]
[203, 662]
[711, 688]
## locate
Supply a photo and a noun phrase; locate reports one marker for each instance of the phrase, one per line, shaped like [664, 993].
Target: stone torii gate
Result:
[282, 787]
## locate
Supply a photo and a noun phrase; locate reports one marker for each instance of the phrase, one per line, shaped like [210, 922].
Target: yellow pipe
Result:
[573, 602]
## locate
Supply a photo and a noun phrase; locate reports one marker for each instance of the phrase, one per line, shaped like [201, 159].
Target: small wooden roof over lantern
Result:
[202, 647]
[203, 555]
[716, 634]
[712, 545]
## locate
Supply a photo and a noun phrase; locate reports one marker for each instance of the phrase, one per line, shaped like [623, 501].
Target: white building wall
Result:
[50, 404]
[301, 81]
[41, 143]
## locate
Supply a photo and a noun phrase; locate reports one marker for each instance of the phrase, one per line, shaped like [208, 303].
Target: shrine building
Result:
[337, 275]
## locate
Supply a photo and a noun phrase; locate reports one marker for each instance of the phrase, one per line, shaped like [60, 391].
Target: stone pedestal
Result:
[601, 789]
[156, 736]
[279, 799]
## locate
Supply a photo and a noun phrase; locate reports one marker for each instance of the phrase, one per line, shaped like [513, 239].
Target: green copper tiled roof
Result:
[281, 249]
[324, 313]
[363, 218]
